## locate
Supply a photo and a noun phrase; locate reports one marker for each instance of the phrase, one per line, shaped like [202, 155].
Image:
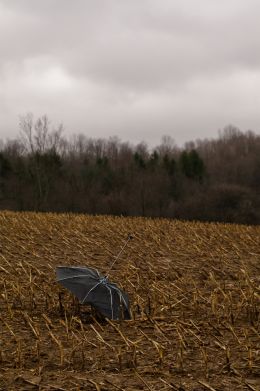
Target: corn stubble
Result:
[194, 291]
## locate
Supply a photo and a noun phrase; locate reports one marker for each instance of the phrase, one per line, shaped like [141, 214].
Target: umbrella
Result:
[91, 287]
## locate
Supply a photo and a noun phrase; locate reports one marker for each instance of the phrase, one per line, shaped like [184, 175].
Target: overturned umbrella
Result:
[91, 287]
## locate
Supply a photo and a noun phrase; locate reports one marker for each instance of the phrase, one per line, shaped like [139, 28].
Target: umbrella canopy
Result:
[91, 287]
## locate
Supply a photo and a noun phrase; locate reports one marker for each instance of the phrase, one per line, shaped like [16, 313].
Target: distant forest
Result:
[207, 180]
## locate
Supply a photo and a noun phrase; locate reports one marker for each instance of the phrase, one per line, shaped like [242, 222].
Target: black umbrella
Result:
[91, 287]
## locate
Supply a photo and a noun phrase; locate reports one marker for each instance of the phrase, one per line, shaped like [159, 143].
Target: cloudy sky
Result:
[138, 69]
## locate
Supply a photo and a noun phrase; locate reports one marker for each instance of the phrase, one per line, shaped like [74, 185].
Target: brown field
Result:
[194, 291]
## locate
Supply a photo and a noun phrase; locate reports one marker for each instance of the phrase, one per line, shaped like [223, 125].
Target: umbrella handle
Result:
[129, 237]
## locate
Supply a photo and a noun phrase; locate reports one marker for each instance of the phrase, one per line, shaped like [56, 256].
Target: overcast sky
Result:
[138, 69]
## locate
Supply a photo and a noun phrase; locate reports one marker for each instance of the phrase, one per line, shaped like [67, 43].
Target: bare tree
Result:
[167, 146]
[38, 137]
[39, 142]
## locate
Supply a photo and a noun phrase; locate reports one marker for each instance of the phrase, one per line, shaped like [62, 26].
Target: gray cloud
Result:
[136, 69]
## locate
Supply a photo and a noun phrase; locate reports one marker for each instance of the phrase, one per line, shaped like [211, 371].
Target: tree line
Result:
[207, 180]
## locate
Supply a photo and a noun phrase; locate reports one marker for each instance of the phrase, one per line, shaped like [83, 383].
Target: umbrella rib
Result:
[111, 301]
[120, 295]
[83, 268]
[77, 276]
[100, 282]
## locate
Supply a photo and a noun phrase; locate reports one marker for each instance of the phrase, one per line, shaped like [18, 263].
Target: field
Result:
[194, 290]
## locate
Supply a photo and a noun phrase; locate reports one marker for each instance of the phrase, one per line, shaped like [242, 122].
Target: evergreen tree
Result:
[192, 165]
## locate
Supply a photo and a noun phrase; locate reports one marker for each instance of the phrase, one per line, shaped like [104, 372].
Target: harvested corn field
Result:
[194, 292]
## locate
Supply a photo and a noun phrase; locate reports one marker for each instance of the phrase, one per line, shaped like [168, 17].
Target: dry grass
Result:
[194, 290]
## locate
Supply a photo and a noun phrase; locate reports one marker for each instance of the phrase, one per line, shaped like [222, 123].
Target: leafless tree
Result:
[38, 137]
[38, 140]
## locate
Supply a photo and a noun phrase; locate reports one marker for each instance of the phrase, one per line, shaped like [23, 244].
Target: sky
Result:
[138, 69]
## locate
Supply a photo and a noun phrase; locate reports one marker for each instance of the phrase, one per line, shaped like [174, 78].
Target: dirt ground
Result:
[194, 290]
